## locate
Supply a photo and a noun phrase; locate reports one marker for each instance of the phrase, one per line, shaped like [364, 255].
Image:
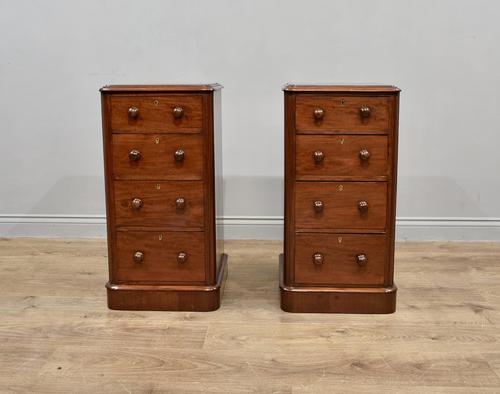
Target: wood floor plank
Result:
[57, 335]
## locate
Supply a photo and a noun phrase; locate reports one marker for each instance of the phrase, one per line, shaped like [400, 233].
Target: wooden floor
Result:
[56, 334]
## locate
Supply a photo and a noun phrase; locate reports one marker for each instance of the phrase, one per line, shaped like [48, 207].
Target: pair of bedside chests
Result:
[163, 171]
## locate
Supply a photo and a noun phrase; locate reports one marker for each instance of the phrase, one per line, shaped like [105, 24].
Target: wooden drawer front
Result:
[155, 113]
[171, 203]
[160, 256]
[337, 259]
[340, 204]
[157, 156]
[341, 114]
[354, 156]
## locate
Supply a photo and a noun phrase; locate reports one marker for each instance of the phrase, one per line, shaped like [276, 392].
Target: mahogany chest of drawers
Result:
[340, 198]
[163, 171]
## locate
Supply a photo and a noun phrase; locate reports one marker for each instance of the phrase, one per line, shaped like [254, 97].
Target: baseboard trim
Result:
[254, 227]
[33, 225]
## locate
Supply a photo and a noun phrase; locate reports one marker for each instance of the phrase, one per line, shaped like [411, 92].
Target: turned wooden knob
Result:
[134, 155]
[133, 112]
[363, 206]
[182, 257]
[178, 112]
[318, 156]
[365, 112]
[319, 113]
[179, 155]
[136, 203]
[361, 259]
[364, 154]
[318, 206]
[138, 256]
[180, 203]
[318, 258]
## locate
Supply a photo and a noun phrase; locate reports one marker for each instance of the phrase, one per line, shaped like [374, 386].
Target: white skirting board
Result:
[253, 227]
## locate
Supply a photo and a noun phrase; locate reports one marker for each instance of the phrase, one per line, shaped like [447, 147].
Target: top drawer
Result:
[329, 114]
[172, 113]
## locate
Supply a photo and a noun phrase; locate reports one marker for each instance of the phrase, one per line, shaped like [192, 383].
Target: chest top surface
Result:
[340, 88]
[160, 88]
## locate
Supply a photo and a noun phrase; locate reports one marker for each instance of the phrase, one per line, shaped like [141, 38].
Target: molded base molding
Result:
[335, 299]
[170, 297]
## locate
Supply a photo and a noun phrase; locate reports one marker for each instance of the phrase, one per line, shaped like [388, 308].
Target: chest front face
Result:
[340, 173]
[160, 144]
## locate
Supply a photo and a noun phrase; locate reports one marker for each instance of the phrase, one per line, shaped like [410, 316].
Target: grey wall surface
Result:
[54, 56]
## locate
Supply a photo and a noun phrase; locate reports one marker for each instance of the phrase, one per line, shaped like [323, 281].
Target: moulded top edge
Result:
[160, 88]
[342, 88]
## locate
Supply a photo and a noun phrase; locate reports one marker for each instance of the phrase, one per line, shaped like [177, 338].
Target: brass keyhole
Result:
[156, 102]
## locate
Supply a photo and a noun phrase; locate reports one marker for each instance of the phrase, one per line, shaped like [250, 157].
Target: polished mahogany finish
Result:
[163, 167]
[138, 257]
[343, 205]
[324, 157]
[340, 259]
[134, 155]
[133, 112]
[163, 257]
[160, 203]
[365, 112]
[160, 156]
[340, 198]
[165, 113]
[319, 113]
[342, 114]
[136, 203]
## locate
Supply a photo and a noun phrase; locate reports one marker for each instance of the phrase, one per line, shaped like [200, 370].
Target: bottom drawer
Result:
[340, 259]
[160, 257]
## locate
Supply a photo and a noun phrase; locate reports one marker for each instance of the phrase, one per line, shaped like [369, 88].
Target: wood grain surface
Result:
[57, 335]
[155, 113]
[341, 158]
[157, 159]
[342, 114]
[160, 88]
[328, 88]
[340, 205]
[158, 204]
[160, 249]
[339, 252]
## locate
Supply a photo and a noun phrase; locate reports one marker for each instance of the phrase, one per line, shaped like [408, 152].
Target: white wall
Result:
[54, 55]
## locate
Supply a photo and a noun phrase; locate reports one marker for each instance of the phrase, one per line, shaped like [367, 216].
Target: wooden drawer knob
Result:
[138, 256]
[318, 258]
[361, 259]
[178, 112]
[136, 203]
[180, 203]
[179, 155]
[318, 156]
[182, 257]
[364, 154]
[363, 206]
[318, 206]
[133, 112]
[365, 112]
[134, 155]
[318, 113]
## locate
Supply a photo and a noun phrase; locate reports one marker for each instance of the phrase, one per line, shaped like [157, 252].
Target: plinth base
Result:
[335, 299]
[169, 297]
